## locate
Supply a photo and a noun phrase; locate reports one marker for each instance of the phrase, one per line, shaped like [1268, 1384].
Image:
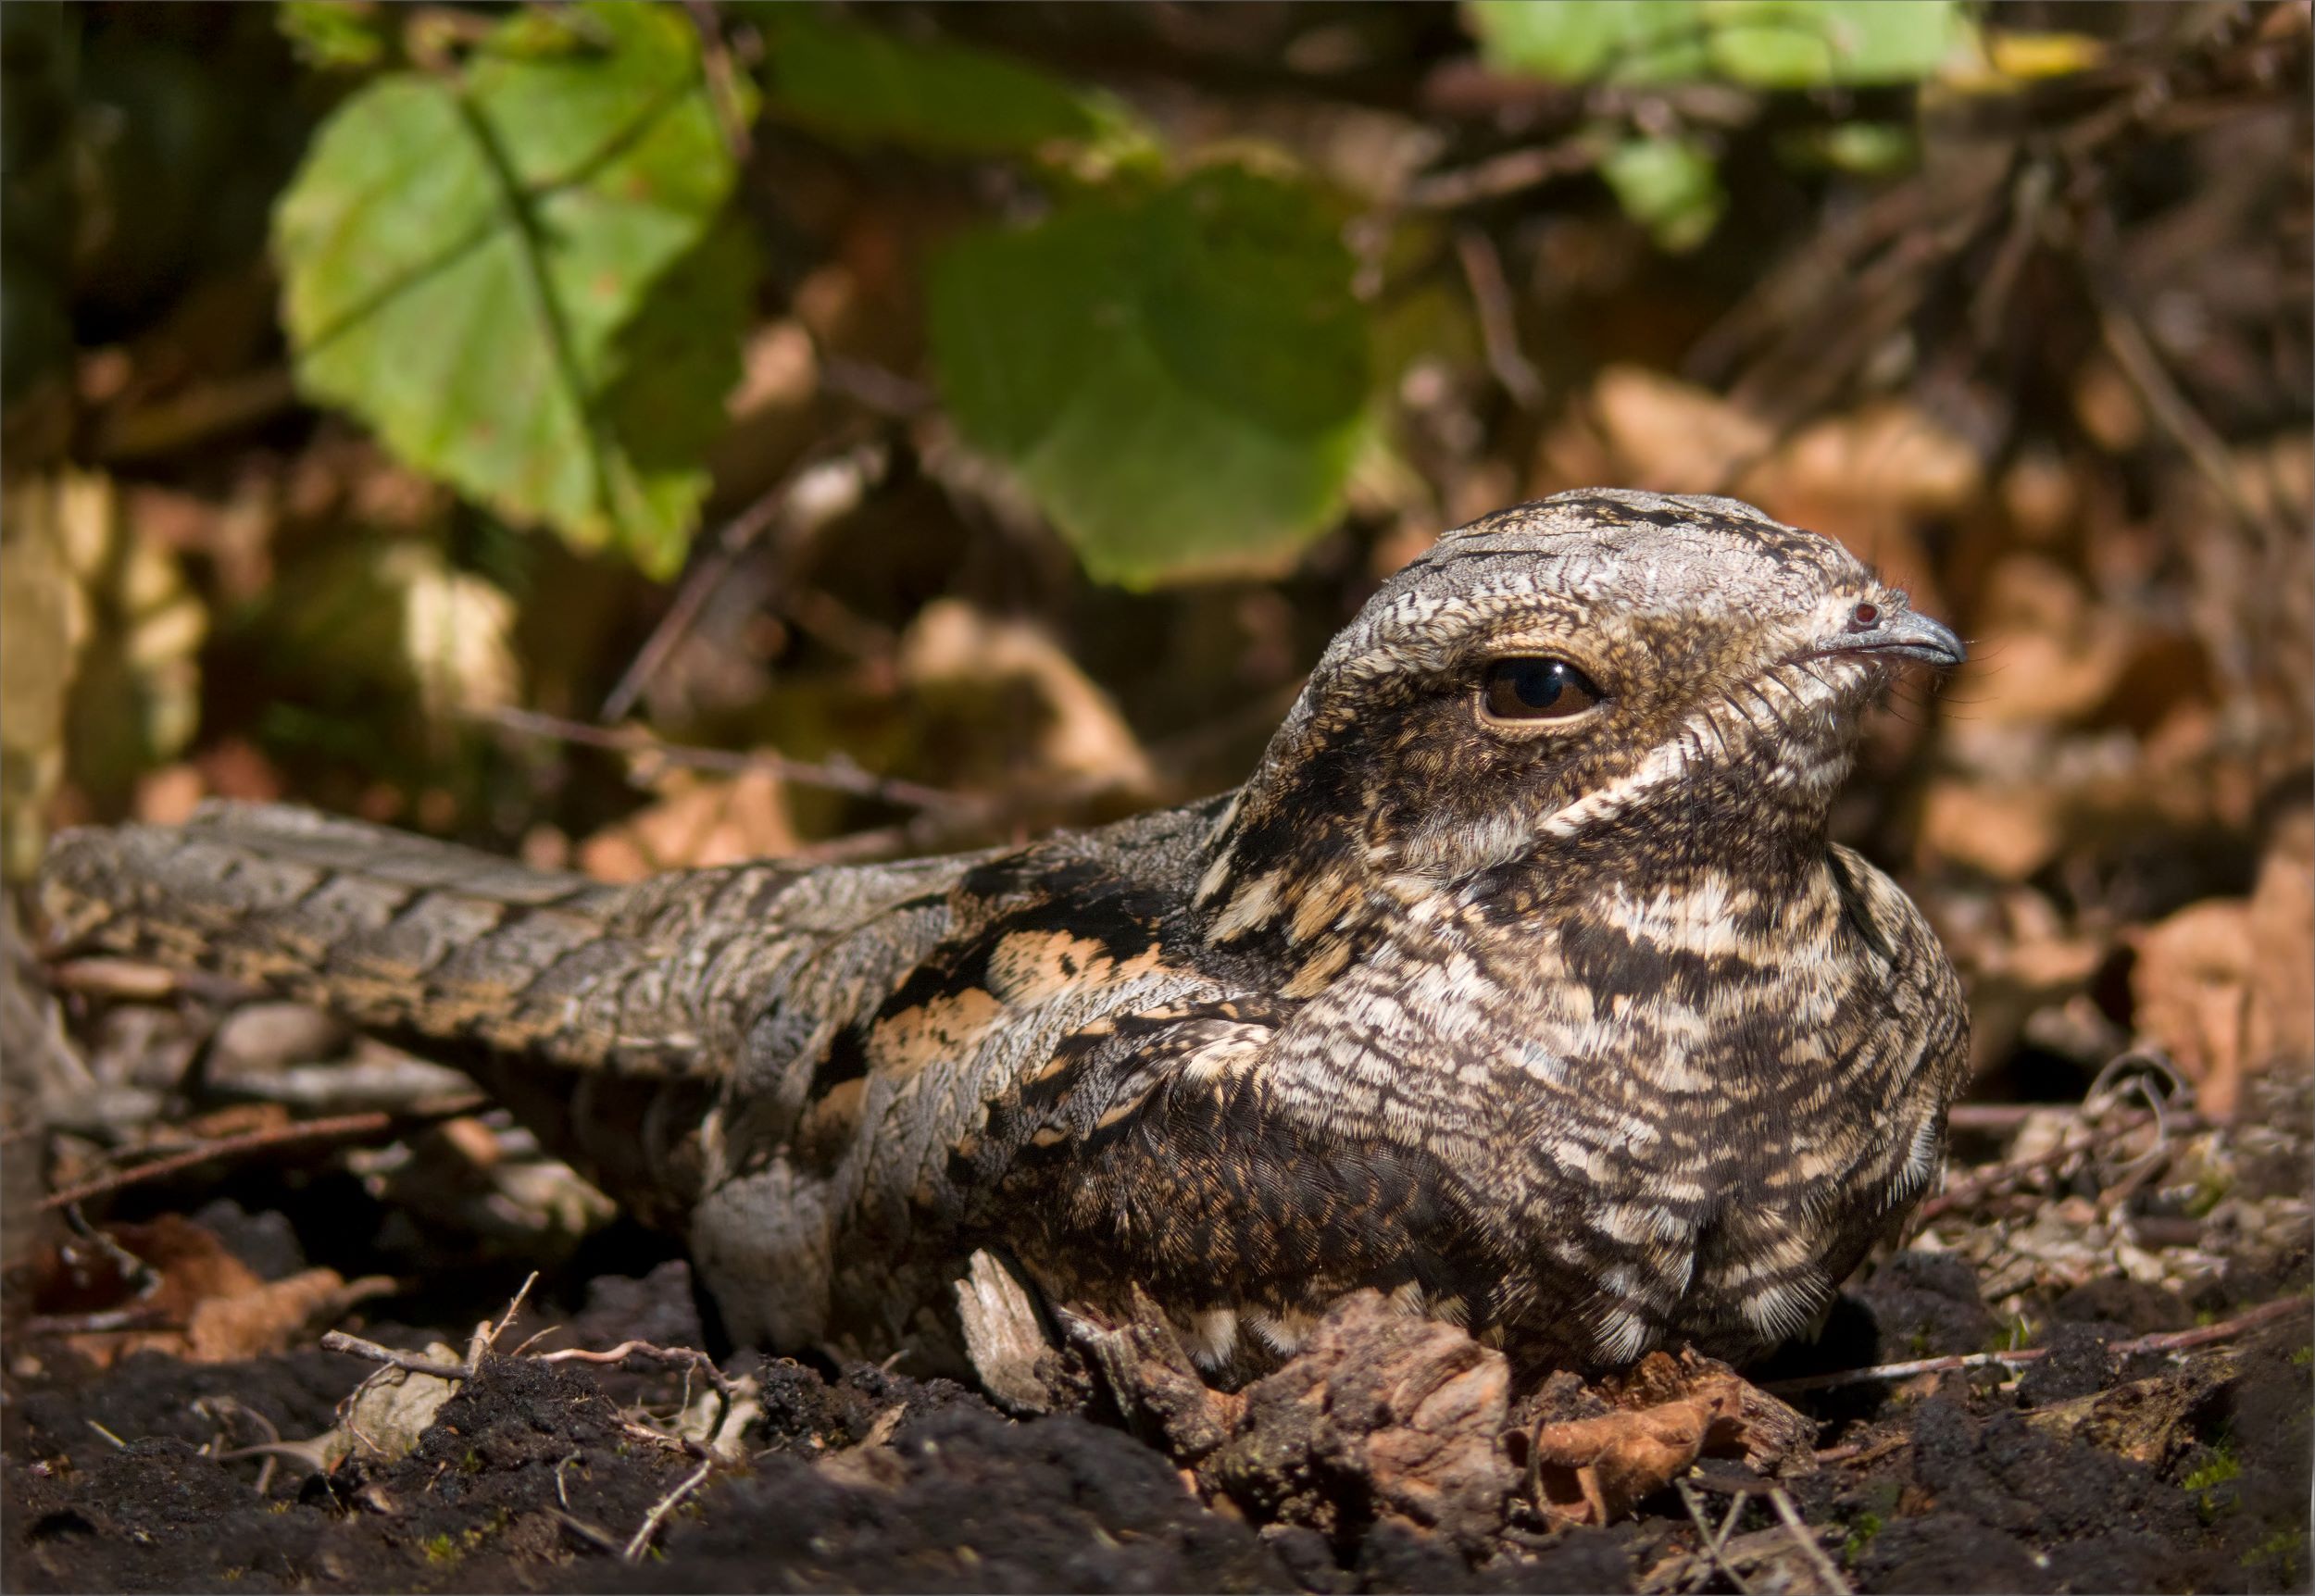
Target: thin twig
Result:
[1995, 1177]
[146, 1317]
[1715, 1542]
[1503, 174]
[2169, 1341]
[339, 1341]
[2000, 1116]
[1498, 327]
[661, 1508]
[815, 493]
[601, 1539]
[513, 1308]
[1810, 1547]
[140, 1276]
[348, 1127]
[2135, 354]
[724, 77]
[837, 776]
[689, 1357]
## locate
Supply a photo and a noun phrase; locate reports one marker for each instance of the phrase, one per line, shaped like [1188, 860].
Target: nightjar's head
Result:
[1636, 672]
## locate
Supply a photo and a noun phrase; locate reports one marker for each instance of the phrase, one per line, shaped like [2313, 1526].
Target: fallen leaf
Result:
[2007, 833]
[2283, 936]
[1004, 701]
[211, 1307]
[1672, 436]
[698, 821]
[2045, 650]
[392, 1409]
[1668, 1412]
[2150, 1421]
[2191, 995]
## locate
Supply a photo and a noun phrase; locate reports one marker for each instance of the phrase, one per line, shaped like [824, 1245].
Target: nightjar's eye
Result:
[1536, 690]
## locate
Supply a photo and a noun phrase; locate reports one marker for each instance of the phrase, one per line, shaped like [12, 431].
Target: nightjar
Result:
[1520, 981]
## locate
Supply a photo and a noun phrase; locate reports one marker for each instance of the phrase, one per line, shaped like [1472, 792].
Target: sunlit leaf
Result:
[1669, 186]
[1813, 43]
[100, 638]
[1577, 40]
[393, 614]
[1762, 44]
[1180, 379]
[44, 619]
[480, 265]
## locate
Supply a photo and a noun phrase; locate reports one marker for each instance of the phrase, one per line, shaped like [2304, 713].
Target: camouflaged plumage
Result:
[1576, 1031]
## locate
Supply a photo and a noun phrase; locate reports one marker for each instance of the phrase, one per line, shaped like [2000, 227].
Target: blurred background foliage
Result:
[643, 435]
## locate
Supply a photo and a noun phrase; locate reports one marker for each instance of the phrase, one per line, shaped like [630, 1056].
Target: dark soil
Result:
[861, 1480]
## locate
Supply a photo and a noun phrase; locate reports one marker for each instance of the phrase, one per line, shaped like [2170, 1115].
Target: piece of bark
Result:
[1005, 1337]
[1380, 1412]
[1150, 1376]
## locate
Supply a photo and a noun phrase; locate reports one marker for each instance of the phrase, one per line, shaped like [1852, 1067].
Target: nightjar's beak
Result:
[1891, 632]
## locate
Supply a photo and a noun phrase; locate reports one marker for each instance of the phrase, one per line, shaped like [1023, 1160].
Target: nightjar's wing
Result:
[1166, 1149]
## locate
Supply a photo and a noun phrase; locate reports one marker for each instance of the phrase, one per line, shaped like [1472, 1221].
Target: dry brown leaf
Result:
[2046, 650]
[2191, 995]
[1010, 703]
[701, 820]
[1670, 1411]
[212, 1306]
[1889, 455]
[2226, 987]
[2150, 1421]
[2008, 832]
[270, 1316]
[2283, 937]
[1672, 436]
[1591, 1470]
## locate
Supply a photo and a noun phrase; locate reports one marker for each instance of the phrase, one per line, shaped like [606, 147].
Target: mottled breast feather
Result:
[1556, 1016]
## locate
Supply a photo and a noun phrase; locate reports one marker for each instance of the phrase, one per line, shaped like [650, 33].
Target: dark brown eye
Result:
[1536, 690]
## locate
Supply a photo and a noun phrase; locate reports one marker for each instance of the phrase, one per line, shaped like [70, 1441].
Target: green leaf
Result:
[478, 264]
[1180, 377]
[1669, 186]
[1869, 149]
[1761, 44]
[863, 85]
[332, 34]
[1578, 41]
[1813, 43]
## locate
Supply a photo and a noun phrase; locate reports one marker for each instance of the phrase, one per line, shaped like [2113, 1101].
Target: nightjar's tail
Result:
[564, 997]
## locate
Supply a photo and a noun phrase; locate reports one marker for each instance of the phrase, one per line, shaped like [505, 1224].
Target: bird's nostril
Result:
[1865, 618]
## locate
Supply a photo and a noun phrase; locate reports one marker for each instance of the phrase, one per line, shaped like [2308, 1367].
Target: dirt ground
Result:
[2092, 1468]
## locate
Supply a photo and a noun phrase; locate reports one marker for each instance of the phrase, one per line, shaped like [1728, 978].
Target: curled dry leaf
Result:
[2191, 991]
[2283, 935]
[2227, 986]
[204, 1304]
[1666, 1413]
